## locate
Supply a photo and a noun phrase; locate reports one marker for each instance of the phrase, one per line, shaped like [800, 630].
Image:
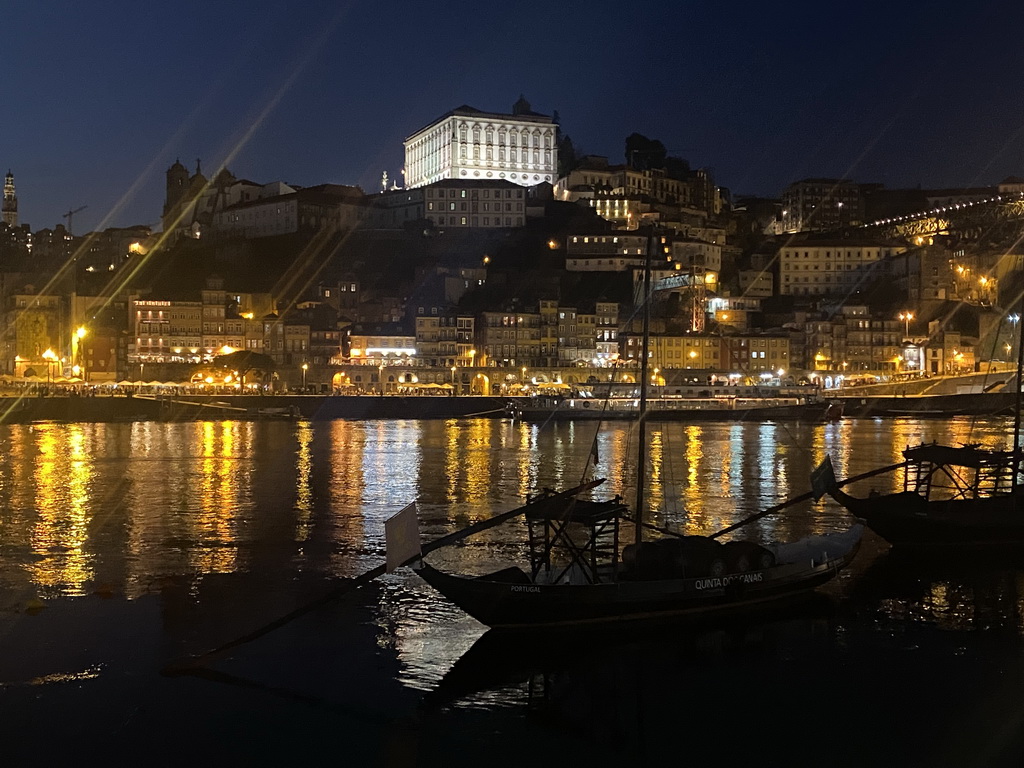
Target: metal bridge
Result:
[995, 217]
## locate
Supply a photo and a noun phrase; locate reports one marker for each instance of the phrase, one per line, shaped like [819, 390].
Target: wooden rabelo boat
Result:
[579, 573]
[959, 496]
[577, 576]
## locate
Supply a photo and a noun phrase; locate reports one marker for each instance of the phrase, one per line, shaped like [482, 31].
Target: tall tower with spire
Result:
[10, 204]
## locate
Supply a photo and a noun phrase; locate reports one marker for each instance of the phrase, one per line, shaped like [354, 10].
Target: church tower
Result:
[10, 204]
[177, 186]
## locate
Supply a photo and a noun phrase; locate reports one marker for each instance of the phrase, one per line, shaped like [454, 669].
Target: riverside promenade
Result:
[29, 408]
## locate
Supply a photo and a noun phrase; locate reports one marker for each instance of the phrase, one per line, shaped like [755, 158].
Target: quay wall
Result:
[317, 407]
[325, 407]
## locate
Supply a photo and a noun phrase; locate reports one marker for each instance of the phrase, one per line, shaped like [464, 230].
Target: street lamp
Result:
[455, 389]
[472, 355]
[906, 317]
[78, 359]
[50, 357]
[305, 367]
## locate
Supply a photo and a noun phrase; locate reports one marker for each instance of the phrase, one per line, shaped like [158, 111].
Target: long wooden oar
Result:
[190, 664]
[803, 497]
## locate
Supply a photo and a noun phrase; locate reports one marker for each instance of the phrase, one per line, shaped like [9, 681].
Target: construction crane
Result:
[70, 214]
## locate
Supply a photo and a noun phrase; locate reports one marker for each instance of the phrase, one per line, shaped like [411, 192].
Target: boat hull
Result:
[907, 519]
[680, 411]
[506, 605]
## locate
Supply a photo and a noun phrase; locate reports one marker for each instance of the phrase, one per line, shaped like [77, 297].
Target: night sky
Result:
[99, 98]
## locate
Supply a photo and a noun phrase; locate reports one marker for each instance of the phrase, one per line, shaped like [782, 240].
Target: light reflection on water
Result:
[158, 534]
[123, 508]
[129, 504]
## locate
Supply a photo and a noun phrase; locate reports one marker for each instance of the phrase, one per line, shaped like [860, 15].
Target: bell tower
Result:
[10, 204]
[177, 186]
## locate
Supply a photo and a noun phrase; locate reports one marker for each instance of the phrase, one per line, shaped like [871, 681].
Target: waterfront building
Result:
[444, 340]
[508, 339]
[548, 351]
[286, 340]
[165, 331]
[35, 334]
[606, 332]
[694, 351]
[747, 353]
[376, 343]
[470, 144]
[176, 331]
[758, 353]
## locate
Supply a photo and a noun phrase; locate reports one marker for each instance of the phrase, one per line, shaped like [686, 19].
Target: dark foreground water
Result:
[125, 547]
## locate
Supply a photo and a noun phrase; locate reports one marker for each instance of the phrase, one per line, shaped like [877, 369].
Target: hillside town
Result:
[504, 260]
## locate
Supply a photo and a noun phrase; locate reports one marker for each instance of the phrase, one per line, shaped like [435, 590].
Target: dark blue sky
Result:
[100, 98]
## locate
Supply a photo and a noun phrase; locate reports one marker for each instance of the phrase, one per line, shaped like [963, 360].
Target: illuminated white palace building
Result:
[469, 144]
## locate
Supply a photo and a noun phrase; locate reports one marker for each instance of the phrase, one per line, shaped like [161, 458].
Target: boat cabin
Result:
[574, 540]
[936, 471]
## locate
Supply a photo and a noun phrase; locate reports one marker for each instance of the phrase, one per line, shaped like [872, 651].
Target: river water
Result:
[126, 547]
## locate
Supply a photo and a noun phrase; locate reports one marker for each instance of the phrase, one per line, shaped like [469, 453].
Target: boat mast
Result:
[641, 464]
[1016, 408]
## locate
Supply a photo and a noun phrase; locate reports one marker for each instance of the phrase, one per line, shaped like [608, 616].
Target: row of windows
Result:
[828, 279]
[524, 137]
[464, 221]
[512, 158]
[869, 254]
[485, 193]
[825, 267]
[486, 207]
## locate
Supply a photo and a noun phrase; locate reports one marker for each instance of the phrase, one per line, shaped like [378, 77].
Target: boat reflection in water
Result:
[901, 666]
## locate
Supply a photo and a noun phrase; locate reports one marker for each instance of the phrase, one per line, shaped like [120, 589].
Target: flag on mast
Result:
[402, 537]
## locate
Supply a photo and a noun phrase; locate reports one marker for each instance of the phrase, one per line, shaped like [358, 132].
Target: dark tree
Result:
[567, 159]
[643, 153]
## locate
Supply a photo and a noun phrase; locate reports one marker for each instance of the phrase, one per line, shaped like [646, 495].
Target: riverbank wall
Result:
[358, 407]
[191, 407]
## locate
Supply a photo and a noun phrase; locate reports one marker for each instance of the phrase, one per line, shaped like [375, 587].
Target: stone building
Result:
[468, 144]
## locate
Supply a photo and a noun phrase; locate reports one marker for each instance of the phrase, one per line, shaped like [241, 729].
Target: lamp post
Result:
[50, 357]
[79, 353]
[1014, 318]
[906, 317]
[305, 367]
[455, 388]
